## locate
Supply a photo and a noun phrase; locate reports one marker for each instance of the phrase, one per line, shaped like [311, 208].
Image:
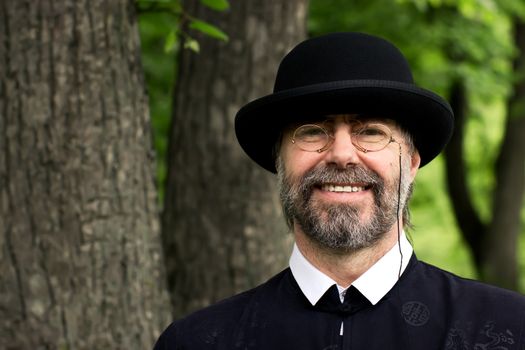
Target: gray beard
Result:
[337, 226]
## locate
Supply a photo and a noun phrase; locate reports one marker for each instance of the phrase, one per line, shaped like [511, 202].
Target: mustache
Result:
[333, 174]
[323, 174]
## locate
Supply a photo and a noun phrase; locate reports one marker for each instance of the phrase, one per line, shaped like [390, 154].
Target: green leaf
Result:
[175, 6]
[208, 29]
[219, 5]
[192, 44]
[170, 42]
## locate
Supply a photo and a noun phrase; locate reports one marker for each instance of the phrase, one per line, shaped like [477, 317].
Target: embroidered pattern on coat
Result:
[415, 313]
[486, 338]
[457, 339]
[497, 340]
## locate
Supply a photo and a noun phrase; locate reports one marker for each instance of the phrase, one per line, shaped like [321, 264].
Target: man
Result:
[346, 130]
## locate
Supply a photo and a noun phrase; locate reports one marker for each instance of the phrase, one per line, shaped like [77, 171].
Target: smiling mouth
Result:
[344, 188]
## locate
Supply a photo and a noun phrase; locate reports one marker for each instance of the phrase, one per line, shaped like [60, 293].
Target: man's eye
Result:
[372, 131]
[307, 133]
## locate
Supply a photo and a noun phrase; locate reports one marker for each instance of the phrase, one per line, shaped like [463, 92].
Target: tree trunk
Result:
[501, 265]
[494, 244]
[223, 229]
[467, 218]
[79, 233]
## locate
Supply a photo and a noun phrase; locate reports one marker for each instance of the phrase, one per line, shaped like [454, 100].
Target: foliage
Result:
[161, 26]
[159, 70]
[181, 20]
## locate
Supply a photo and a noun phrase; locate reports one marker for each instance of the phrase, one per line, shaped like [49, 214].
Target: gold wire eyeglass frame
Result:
[361, 129]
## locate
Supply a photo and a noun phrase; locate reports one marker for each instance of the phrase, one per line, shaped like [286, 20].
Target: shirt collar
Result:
[373, 284]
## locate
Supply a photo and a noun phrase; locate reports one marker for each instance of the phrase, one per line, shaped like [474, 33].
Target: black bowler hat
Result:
[344, 73]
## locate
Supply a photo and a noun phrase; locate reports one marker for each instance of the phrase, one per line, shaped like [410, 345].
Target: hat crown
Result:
[344, 73]
[342, 57]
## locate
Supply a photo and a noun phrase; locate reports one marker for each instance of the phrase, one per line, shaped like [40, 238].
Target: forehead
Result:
[349, 118]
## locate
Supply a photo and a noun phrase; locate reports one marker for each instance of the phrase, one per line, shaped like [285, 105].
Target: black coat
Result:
[427, 309]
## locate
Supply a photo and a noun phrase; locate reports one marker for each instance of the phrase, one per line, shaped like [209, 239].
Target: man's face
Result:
[341, 197]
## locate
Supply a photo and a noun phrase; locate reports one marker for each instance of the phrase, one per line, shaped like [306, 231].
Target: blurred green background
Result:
[469, 39]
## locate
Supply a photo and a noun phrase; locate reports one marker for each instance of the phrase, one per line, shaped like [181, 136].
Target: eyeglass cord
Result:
[398, 215]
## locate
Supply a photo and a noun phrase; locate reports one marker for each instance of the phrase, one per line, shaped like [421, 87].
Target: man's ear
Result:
[414, 163]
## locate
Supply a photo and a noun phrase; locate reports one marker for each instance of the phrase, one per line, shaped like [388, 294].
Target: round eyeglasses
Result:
[366, 137]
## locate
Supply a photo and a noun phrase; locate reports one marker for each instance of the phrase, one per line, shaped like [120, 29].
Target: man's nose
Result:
[342, 152]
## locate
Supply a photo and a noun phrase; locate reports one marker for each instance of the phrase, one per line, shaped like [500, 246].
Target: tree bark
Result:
[79, 234]
[223, 229]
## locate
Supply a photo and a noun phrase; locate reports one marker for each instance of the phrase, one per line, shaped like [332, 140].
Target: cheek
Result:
[300, 165]
[297, 162]
[384, 166]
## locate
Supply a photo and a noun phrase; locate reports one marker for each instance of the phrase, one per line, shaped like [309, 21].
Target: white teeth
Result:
[332, 188]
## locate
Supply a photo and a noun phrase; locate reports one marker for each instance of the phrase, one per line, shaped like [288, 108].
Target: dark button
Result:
[346, 308]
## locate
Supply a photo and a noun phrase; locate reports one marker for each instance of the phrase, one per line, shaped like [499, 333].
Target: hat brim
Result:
[424, 114]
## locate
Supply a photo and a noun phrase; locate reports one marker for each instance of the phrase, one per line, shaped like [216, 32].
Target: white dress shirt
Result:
[373, 284]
